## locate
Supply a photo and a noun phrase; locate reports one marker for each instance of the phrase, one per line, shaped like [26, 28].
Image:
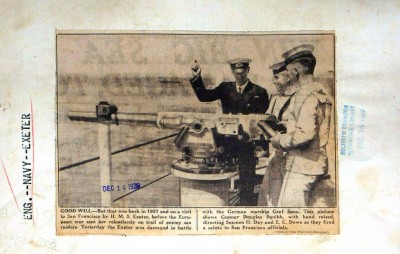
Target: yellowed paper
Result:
[365, 69]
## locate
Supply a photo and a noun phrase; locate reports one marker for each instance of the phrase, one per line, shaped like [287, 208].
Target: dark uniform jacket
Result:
[253, 100]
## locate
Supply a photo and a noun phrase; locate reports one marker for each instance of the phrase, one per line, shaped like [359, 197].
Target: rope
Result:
[118, 151]
[262, 167]
[142, 187]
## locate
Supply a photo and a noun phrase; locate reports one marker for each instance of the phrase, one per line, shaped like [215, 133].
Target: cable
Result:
[158, 179]
[262, 167]
[118, 151]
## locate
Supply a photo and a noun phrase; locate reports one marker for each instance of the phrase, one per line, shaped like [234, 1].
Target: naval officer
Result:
[277, 114]
[238, 97]
[307, 130]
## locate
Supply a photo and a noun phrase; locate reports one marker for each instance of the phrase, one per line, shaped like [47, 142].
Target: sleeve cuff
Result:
[194, 79]
[285, 140]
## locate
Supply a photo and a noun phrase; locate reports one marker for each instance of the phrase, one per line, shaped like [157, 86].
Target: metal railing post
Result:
[105, 161]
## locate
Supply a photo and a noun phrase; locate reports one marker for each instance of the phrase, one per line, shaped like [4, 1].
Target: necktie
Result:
[240, 90]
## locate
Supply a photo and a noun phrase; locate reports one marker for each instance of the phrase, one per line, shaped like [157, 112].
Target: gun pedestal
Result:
[202, 190]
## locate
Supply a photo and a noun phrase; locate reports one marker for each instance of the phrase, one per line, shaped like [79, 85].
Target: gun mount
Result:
[207, 141]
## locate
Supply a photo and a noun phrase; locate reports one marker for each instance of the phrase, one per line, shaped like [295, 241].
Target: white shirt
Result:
[241, 87]
[277, 103]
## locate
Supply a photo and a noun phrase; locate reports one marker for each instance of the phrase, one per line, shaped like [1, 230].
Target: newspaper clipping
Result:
[189, 133]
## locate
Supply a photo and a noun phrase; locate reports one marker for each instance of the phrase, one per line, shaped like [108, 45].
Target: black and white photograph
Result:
[196, 120]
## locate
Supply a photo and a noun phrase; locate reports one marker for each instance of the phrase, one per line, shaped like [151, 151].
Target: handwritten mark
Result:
[9, 184]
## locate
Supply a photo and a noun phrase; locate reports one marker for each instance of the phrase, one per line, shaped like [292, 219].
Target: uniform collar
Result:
[290, 90]
[311, 87]
[242, 87]
[306, 81]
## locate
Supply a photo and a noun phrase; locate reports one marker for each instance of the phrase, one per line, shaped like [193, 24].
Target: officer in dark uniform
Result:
[238, 97]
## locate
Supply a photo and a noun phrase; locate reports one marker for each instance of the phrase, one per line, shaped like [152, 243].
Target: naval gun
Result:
[207, 141]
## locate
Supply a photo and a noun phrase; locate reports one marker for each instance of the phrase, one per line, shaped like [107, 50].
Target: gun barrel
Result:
[142, 119]
[226, 124]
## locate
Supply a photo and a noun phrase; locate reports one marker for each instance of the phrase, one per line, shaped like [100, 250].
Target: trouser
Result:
[272, 181]
[247, 174]
[296, 189]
